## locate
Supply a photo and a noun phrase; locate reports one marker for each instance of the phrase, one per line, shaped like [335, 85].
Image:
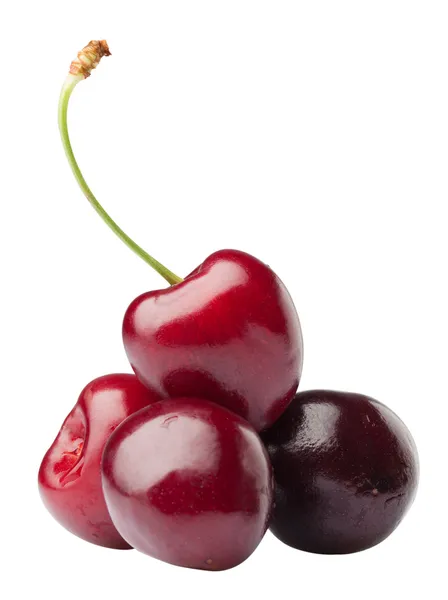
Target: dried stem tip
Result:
[89, 57]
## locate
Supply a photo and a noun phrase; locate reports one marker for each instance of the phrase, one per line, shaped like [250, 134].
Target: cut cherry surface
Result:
[69, 476]
[188, 482]
[228, 333]
[346, 472]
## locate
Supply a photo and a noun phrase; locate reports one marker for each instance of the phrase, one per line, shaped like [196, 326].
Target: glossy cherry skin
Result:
[69, 476]
[346, 472]
[228, 333]
[190, 483]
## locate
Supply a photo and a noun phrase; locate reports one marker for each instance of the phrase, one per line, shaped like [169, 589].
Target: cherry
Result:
[229, 332]
[188, 482]
[346, 472]
[69, 476]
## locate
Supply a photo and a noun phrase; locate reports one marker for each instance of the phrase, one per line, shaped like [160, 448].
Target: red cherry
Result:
[228, 333]
[69, 476]
[188, 482]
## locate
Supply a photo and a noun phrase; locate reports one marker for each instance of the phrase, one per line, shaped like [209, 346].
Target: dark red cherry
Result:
[346, 472]
[228, 333]
[69, 476]
[188, 482]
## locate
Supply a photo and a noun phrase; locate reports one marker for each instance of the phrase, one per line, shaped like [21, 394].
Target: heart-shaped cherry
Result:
[188, 482]
[69, 476]
[346, 472]
[229, 332]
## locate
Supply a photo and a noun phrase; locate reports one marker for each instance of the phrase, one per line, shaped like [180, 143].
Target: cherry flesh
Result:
[69, 476]
[228, 333]
[188, 482]
[346, 472]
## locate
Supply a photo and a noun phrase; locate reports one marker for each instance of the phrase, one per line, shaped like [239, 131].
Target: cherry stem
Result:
[80, 69]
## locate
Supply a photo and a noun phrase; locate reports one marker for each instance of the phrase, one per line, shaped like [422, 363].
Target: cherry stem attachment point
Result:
[80, 69]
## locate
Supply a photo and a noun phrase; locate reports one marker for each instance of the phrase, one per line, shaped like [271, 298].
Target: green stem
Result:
[69, 85]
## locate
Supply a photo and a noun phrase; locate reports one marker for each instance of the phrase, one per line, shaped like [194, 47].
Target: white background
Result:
[310, 134]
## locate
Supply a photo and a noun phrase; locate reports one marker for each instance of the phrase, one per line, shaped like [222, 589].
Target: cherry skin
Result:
[69, 476]
[346, 472]
[228, 333]
[188, 482]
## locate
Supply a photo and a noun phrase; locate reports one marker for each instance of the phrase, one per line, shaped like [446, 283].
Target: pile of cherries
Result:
[191, 459]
